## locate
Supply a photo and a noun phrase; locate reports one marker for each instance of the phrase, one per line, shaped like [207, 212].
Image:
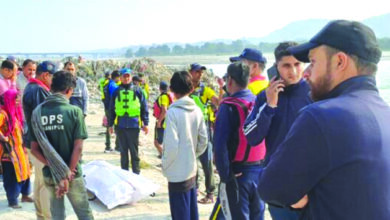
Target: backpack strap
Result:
[239, 102]
[245, 107]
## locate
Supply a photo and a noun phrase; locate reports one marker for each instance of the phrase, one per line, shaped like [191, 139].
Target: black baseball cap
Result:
[250, 54]
[351, 37]
[196, 67]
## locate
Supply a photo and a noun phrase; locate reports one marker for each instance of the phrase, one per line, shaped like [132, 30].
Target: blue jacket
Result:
[274, 123]
[33, 95]
[126, 121]
[108, 92]
[338, 153]
[225, 125]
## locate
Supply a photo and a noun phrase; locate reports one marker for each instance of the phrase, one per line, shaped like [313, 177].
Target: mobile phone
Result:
[273, 71]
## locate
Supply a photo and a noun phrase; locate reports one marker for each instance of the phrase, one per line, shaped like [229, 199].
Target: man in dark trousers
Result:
[36, 91]
[335, 160]
[128, 105]
[108, 91]
[238, 163]
[64, 128]
[276, 109]
[203, 96]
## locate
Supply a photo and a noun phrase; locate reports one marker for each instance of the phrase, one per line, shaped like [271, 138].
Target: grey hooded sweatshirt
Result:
[185, 138]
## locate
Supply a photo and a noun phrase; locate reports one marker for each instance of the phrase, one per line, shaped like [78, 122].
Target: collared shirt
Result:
[21, 82]
[80, 95]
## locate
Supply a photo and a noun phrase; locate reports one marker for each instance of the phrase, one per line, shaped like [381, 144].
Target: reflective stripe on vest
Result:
[127, 102]
[244, 152]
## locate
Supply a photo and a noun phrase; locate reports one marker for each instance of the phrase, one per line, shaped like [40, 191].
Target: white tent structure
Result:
[114, 186]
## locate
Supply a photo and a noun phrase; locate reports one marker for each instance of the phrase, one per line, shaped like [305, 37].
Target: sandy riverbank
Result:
[151, 208]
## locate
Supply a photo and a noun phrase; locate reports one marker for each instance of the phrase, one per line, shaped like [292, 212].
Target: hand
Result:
[111, 130]
[62, 188]
[72, 175]
[158, 124]
[145, 129]
[220, 82]
[301, 203]
[272, 92]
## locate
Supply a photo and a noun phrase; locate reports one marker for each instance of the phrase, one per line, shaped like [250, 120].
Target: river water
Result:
[382, 76]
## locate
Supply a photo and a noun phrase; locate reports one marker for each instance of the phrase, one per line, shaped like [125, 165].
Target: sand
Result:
[156, 207]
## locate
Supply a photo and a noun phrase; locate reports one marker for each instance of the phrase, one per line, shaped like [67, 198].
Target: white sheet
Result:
[114, 186]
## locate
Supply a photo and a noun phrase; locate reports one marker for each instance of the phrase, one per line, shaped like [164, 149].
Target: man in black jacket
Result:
[35, 93]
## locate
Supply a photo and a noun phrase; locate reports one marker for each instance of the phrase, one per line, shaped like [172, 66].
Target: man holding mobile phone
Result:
[276, 109]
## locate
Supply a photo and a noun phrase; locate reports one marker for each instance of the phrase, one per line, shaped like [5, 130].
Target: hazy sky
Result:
[78, 25]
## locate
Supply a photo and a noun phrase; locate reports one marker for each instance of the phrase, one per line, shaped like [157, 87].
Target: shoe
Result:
[27, 199]
[15, 206]
[117, 152]
[109, 150]
[159, 156]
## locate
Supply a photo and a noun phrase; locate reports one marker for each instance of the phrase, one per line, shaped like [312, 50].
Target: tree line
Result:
[211, 48]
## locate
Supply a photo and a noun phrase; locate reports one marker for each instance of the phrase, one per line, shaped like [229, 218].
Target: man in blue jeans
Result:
[276, 109]
[65, 129]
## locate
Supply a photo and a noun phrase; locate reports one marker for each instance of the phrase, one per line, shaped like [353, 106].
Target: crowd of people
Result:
[311, 143]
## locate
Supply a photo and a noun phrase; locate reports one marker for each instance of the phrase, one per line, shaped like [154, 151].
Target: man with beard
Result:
[335, 159]
[275, 111]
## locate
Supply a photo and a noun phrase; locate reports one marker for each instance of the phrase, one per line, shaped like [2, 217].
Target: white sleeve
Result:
[171, 141]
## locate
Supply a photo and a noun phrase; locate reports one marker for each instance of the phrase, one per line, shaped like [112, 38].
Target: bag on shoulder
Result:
[157, 107]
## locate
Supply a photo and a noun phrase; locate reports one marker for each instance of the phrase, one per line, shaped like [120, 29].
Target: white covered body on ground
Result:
[114, 186]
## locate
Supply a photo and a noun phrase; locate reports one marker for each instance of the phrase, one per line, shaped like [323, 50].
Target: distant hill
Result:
[305, 29]
[380, 25]
[297, 31]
